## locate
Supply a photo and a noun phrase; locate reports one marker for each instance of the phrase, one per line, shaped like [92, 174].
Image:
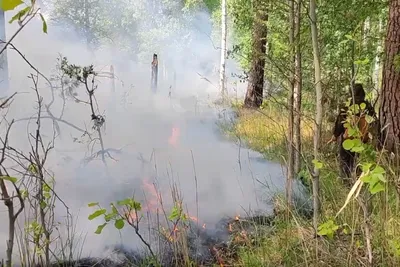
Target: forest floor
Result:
[342, 239]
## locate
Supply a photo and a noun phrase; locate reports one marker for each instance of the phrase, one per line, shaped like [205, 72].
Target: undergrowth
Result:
[342, 238]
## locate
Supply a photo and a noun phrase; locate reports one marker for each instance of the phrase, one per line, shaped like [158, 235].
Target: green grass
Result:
[291, 243]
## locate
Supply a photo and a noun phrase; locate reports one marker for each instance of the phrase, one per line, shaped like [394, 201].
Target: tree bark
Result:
[390, 100]
[318, 114]
[254, 94]
[222, 83]
[298, 81]
[290, 161]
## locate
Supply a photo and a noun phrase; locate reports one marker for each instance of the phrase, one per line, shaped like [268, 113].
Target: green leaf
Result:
[136, 205]
[351, 132]
[44, 23]
[43, 204]
[20, 14]
[367, 178]
[92, 204]
[369, 118]
[10, 4]
[130, 203]
[348, 144]
[362, 61]
[97, 213]
[378, 170]
[363, 106]
[100, 228]
[9, 178]
[46, 188]
[126, 202]
[175, 213]
[24, 194]
[114, 209]
[119, 224]
[328, 229]
[378, 187]
[33, 169]
[108, 217]
[366, 167]
[348, 36]
[317, 164]
[357, 149]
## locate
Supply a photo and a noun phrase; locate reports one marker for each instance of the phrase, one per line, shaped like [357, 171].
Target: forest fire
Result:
[206, 244]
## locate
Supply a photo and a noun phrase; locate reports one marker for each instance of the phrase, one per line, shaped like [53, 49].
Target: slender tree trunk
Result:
[4, 84]
[377, 65]
[298, 81]
[254, 94]
[154, 73]
[222, 82]
[290, 161]
[318, 115]
[390, 99]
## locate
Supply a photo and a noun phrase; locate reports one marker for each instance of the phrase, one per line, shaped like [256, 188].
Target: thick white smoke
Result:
[138, 126]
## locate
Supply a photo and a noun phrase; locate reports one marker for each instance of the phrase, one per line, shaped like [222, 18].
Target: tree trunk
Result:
[290, 161]
[318, 115]
[222, 83]
[3, 58]
[154, 73]
[390, 100]
[377, 65]
[298, 81]
[254, 94]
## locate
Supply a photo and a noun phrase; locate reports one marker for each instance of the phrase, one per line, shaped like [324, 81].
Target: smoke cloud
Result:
[138, 126]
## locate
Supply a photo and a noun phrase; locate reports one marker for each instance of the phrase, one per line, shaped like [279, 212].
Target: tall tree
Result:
[390, 101]
[297, 90]
[318, 114]
[254, 94]
[290, 161]
[222, 83]
[294, 99]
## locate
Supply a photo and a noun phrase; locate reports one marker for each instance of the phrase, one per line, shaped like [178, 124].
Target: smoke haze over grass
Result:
[137, 128]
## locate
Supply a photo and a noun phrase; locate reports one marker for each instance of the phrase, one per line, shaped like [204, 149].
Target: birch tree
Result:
[222, 78]
[297, 88]
[290, 161]
[318, 114]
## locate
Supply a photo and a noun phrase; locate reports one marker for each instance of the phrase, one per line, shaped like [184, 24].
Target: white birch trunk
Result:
[222, 79]
[318, 114]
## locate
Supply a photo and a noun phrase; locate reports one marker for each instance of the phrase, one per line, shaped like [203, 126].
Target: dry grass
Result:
[265, 131]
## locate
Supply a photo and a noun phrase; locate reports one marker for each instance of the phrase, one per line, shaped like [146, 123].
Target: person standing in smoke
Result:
[348, 158]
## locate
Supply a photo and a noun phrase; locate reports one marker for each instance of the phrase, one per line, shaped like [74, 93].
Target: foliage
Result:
[328, 229]
[23, 14]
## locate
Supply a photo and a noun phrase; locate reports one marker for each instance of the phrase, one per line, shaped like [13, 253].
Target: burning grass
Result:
[175, 237]
[188, 245]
